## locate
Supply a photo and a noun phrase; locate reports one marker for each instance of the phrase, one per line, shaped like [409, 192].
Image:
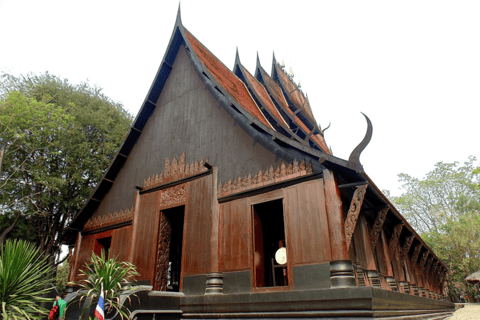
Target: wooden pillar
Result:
[365, 251]
[341, 268]
[214, 283]
[136, 208]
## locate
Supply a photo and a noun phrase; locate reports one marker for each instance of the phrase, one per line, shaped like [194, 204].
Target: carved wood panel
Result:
[377, 226]
[353, 212]
[163, 254]
[173, 196]
[392, 245]
[416, 253]
[406, 248]
[97, 222]
[175, 170]
[270, 176]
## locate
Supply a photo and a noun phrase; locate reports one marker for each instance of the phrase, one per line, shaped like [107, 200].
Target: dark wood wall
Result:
[235, 236]
[306, 222]
[120, 246]
[145, 231]
[306, 227]
[198, 227]
[187, 118]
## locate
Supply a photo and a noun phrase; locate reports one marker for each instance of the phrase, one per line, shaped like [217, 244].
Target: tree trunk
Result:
[4, 233]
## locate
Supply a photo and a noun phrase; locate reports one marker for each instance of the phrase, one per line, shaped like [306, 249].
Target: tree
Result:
[46, 178]
[26, 128]
[444, 208]
[63, 271]
[445, 194]
[24, 278]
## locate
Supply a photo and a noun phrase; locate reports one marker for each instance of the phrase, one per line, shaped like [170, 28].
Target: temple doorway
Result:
[169, 250]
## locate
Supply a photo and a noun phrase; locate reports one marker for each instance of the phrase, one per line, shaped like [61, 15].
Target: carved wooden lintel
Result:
[406, 248]
[377, 226]
[270, 176]
[353, 212]
[416, 253]
[394, 239]
[173, 195]
[96, 222]
[175, 170]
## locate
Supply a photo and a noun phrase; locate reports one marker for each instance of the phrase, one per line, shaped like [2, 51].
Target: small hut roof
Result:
[474, 277]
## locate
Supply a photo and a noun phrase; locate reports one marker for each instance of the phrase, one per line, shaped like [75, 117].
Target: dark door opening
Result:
[103, 244]
[270, 260]
[169, 253]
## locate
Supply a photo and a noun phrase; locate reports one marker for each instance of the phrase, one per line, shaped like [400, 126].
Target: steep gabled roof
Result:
[226, 78]
[297, 124]
[261, 97]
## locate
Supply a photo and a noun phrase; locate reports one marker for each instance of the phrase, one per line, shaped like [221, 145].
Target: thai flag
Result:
[99, 310]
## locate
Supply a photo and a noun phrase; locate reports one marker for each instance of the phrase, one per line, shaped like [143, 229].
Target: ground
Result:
[470, 311]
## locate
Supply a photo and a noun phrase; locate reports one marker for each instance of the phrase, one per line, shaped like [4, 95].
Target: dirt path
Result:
[471, 311]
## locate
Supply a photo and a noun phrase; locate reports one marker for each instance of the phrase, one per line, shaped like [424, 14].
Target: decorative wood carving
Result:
[434, 267]
[163, 254]
[406, 248]
[270, 176]
[174, 195]
[423, 260]
[394, 240]
[377, 226]
[353, 212]
[429, 264]
[416, 253]
[96, 222]
[175, 170]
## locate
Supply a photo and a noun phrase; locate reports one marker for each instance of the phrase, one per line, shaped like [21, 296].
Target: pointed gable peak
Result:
[257, 68]
[237, 57]
[178, 21]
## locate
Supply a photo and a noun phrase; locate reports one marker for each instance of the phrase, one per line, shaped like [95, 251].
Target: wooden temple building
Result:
[228, 200]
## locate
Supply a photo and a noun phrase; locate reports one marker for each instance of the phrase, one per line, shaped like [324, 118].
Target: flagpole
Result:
[100, 309]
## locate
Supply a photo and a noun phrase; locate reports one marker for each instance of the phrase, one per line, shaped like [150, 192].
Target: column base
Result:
[214, 283]
[341, 274]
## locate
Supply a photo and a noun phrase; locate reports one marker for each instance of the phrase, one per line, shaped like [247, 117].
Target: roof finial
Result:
[179, 15]
[355, 155]
[237, 57]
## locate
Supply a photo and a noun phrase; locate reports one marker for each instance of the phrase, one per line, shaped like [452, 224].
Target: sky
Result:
[413, 67]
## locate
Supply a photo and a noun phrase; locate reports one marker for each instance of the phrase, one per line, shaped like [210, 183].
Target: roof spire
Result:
[257, 67]
[237, 57]
[179, 15]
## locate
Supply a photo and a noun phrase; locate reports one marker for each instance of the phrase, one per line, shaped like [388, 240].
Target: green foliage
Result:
[444, 207]
[62, 277]
[24, 278]
[115, 276]
[445, 194]
[58, 140]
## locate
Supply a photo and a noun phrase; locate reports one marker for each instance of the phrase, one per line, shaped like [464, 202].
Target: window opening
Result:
[270, 260]
[176, 218]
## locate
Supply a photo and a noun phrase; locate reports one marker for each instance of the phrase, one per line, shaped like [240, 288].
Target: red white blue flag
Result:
[99, 310]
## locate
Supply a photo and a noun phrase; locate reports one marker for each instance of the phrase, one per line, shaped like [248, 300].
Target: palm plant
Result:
[24, 277]
[116, 277]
